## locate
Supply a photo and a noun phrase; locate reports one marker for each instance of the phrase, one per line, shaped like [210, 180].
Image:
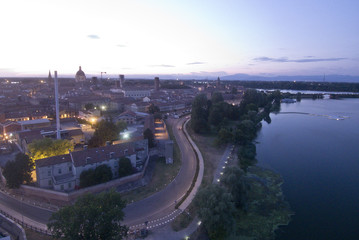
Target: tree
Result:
[147, 134]
[125, 167]
[87, 178]
[216, 97]
[216, 115]
[216, 210]
[18, 171]
[153, 109]
[200, 111]
[105, 131]
[233, 181]
[103, 173]
[95, 176]
[48, 147]
[91, 217]
[121, 126]
[224, 136]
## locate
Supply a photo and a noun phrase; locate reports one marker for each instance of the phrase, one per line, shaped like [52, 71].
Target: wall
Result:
[69, 197]
[15, 230]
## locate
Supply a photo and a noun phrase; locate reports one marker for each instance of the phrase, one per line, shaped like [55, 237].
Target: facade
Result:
[136, 93]
[62, 173]
[36, 123]
[80, 75]
[129, 117]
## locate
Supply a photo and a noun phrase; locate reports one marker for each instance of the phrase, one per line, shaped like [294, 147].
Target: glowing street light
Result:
[103, 107]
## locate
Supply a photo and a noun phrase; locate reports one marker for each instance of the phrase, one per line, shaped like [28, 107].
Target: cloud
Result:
[301, 60]
[92, 36]
[120, 45]
[195, 63]
[162, 65]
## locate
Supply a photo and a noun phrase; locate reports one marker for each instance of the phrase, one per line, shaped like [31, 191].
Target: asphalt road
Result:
[163, 202]
[155, 206]
[38, 214]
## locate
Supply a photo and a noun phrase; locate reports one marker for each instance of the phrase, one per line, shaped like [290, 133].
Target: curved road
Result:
[163, 202]
[156, 206]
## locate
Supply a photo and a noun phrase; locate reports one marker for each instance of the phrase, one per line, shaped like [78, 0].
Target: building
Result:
[157, 84]
[218, 84]
[9, 127]
[136, 93]
[80, 76]
[62, 173]
[122, 80]
[36, 123]
[129, 117]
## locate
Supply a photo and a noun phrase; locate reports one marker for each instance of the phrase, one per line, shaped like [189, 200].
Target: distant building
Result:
[136, 93]
[80, 76]
[122, 80]
[157, 84]
[218, 84]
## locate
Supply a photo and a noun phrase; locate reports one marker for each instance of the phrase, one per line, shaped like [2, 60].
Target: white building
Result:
[62, 173]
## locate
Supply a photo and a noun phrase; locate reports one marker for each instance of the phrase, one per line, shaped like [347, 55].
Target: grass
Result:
[163, 174]
[32, 235]
[211, 153]
[211, 157]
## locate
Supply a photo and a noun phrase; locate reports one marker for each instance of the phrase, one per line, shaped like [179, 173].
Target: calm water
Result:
[318, 158]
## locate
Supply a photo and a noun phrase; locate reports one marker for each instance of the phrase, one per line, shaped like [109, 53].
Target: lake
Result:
[318, 157]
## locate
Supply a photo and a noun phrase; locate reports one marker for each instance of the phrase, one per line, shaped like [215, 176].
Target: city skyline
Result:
[202, 38]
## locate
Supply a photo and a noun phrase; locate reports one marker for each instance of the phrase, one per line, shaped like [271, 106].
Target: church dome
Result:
[80, 75]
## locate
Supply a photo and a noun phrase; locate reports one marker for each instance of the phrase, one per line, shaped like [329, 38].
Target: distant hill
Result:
[313, 78]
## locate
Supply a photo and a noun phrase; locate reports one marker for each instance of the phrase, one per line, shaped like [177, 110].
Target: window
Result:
[49, 173]
[62, 187]
[69, 185]
[70, 169]
[59, 171]
[50, 182]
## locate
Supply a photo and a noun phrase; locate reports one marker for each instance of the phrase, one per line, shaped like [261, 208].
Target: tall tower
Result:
[58, 136]
[122, 80]
[157, 84]
[49, 78]
[218, 85]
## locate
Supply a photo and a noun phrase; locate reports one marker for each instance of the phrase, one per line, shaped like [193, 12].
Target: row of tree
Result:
[219, 205]
[103, 173]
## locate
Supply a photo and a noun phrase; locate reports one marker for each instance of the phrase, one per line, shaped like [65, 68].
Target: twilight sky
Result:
[202, 37]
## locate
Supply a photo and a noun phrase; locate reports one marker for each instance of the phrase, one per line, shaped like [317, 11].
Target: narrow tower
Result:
[58, 135]
[122, 80]
[157, 84]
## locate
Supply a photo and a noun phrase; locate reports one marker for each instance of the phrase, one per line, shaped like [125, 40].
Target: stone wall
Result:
[52, 195]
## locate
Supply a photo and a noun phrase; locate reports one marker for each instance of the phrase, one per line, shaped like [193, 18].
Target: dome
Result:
[80, 72]
[80, 75]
